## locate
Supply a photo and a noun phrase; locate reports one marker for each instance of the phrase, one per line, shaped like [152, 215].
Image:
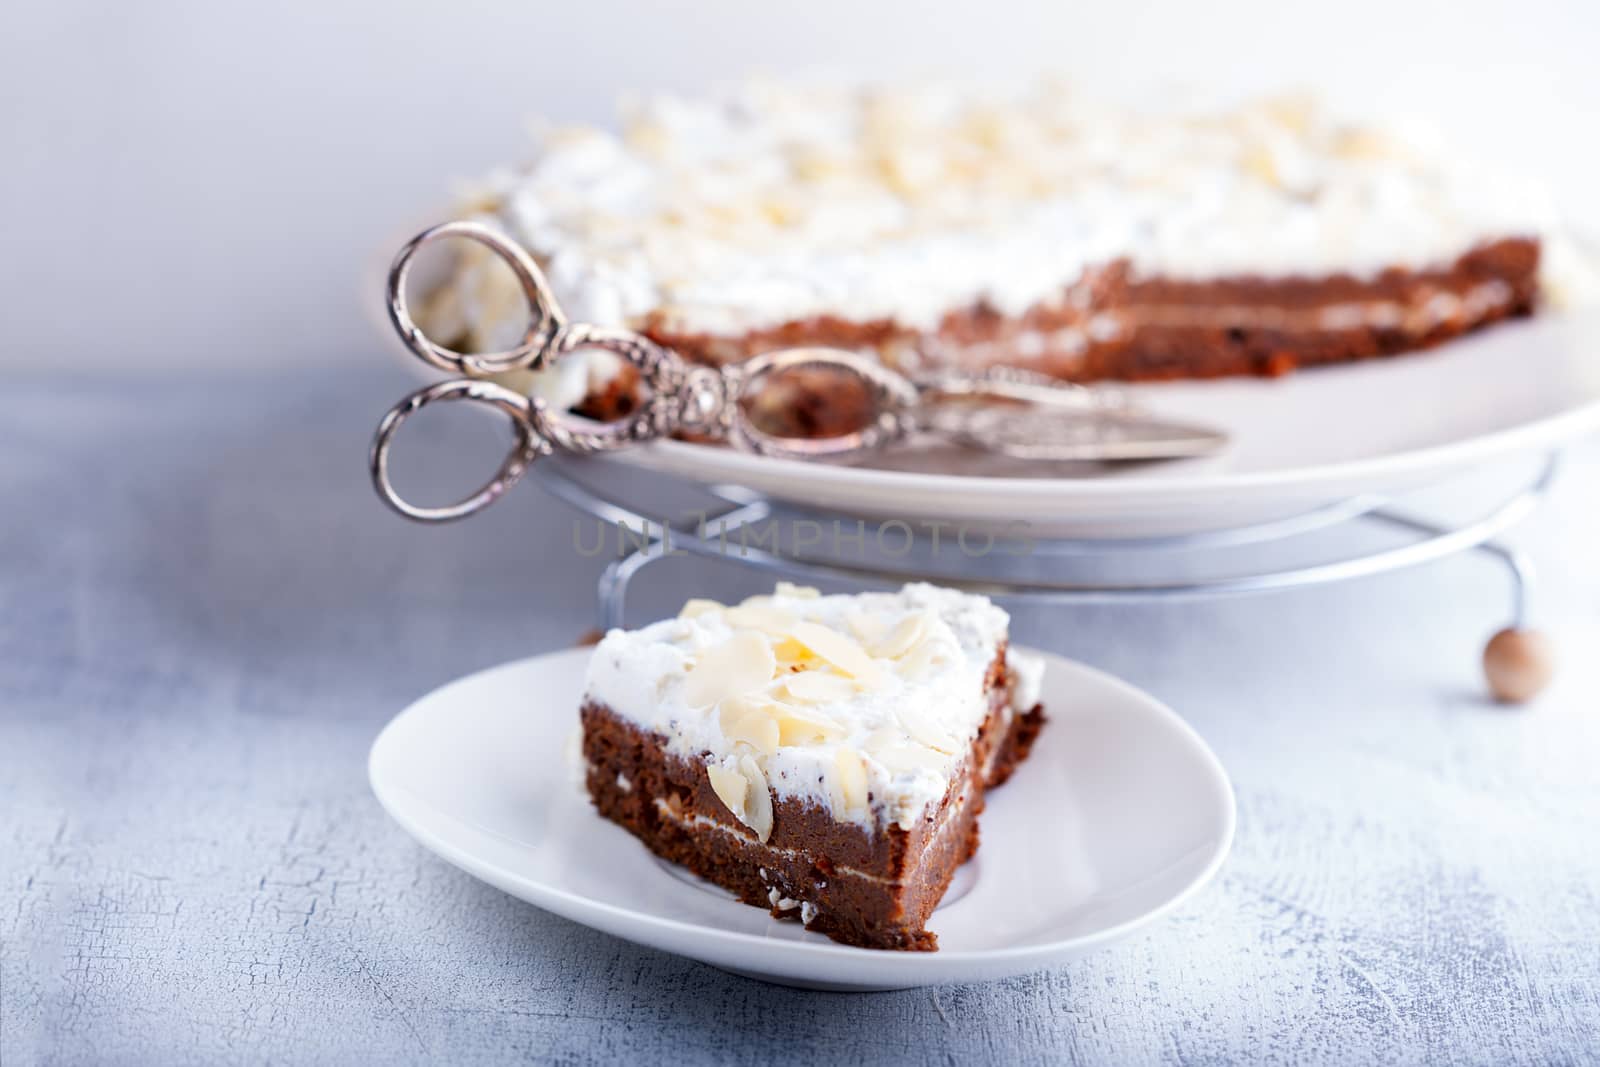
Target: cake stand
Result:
[1517, 662]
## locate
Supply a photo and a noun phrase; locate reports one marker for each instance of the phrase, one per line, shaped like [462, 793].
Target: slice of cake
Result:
[825, 757]
[941, 227]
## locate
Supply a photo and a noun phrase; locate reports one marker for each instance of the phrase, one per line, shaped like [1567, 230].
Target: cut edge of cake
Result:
[865, 852]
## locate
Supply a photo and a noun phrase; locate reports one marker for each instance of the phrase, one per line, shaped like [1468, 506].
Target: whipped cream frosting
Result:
[908, 721]
[779, 203]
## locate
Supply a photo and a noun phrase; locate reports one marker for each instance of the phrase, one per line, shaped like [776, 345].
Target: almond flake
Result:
[819, 687]
[841, 651]
[909, 759]
[695, 607]
[925, 730]
[757, 799]
[850, 775]
[902, 638]
[768, 620]
[869, 629]
[798, 726]
[730, 787]
[920, 659]
[750, 722]
[734, 708]
[742, 664]
[883, 737]
[792, 653]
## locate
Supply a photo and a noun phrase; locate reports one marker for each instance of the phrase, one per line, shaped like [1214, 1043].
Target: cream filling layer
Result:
[1414, 318]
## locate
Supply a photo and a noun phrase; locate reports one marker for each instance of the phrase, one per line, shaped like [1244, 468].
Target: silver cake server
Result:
[1028, 416]
[1006, 412]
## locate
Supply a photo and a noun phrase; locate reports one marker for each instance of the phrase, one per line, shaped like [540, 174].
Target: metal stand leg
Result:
[613, 590]
[1524, 579]
[1518, 661]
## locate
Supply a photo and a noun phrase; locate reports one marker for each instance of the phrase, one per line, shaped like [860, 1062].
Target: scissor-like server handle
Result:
[685, 397]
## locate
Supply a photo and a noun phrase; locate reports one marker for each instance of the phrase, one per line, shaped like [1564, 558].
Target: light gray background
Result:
[203, 184]
[205, 617]
[199, 642]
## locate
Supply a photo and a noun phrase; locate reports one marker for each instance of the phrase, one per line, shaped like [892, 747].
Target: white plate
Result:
[1299, 442]
[1119, 816]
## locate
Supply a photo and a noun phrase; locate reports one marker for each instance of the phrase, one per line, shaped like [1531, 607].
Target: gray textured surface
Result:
[205, 618]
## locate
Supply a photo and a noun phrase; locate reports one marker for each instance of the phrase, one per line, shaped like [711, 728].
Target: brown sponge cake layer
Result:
[874, 888]
[1110, 325]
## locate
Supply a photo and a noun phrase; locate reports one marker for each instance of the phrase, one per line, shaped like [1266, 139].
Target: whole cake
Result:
[939, 227]
[824, 757]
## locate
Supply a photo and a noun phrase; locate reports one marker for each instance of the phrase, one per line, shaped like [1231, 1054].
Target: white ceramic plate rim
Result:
[906, 965]
[710, 463]
[717, 463]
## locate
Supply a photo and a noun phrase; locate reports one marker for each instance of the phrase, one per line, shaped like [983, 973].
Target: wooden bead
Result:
[1518, 664]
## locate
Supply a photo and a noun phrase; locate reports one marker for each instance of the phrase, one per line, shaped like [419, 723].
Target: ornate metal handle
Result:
[680, 396]
[894, 398]
[545, 318]
[529, 445]
[712, 401]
